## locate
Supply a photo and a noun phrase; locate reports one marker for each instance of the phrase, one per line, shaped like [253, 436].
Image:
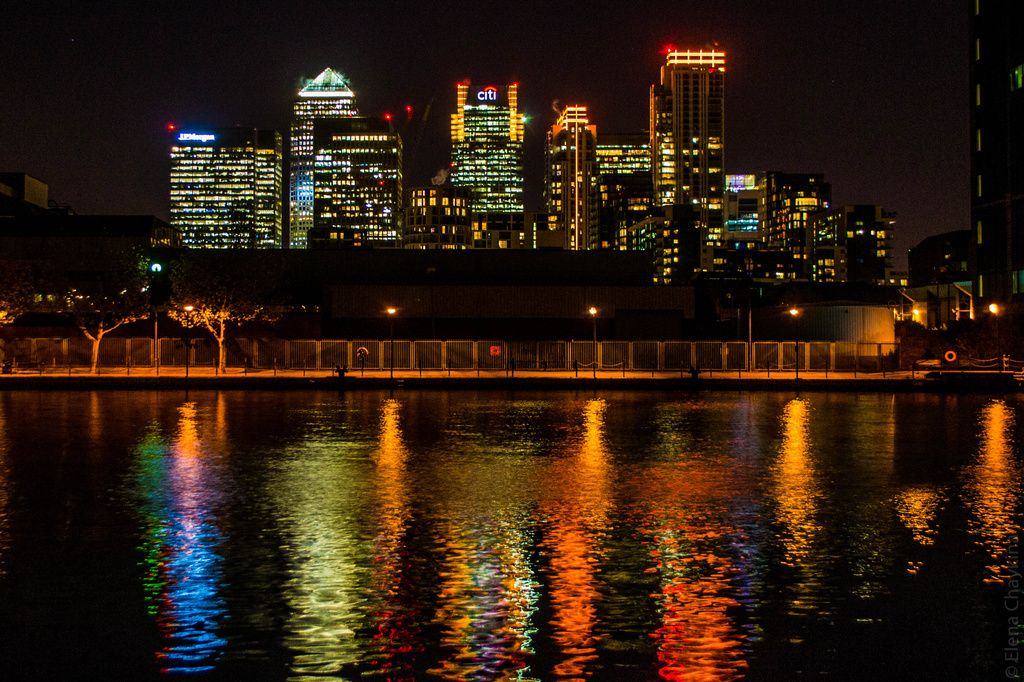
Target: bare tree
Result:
[15, 290]
[215, 291]
[15, 296]
[116, 297]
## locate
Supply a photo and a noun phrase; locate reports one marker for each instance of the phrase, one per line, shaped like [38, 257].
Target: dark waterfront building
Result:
[790, 199]
[941, 259]
[357, 183]
[672, 240]
[327, 96]
[853, 244]
[499, 230]
[487, 146]
[22, 194]
[570, 187]
[226, 186]
[543, 231]
[687, 128]
[997, 146]
[437, 217]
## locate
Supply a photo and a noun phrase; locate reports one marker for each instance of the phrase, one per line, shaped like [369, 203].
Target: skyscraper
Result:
[624, 186]
[688, 138]
[487, 147]
[329, 95]
[570, 188]
[357, 183]
[997, 147]
[437, 217]
[790, 199]
[853, 244]
[226, 187]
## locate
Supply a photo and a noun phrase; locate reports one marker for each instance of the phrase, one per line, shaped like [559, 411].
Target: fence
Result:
[257, 354]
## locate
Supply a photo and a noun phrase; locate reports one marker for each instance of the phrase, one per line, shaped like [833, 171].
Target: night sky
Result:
[872, 93]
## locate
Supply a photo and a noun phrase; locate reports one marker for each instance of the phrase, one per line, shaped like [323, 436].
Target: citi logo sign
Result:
[488, 94]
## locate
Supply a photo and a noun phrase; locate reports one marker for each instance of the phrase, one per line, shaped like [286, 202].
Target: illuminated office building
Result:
[790, 199]
[853, 244]
[437, 217]
[570, 189]
[327, 96]
[226, 188]
[500, 230]
[357, 183]
[687, 127]
[487, 147]
[997, 147]
[624, 188]
[624, 154]
[742, 206]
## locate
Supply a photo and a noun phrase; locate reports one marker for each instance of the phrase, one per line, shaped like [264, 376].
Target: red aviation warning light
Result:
[387, 116]
[171, 127]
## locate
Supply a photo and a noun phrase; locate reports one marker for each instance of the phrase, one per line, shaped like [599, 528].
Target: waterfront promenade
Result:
[174, 378]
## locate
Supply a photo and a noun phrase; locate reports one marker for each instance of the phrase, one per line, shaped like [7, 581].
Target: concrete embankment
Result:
[814, 381]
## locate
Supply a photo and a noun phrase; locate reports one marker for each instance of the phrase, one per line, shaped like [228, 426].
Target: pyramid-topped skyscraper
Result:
[329, 95]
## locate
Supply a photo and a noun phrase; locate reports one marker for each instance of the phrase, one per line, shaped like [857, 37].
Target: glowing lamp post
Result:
[391, 332]
[593, 319]
[795, 314]
[993, 309]
[188, 337]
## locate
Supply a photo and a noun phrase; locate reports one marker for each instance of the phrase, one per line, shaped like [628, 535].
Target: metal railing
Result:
[42, 354]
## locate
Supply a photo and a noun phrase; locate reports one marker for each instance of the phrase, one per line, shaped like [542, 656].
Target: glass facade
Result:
[226, 188]
[997, 147]
[487, 147]
[624, 154]
[570, 188]
[357, 183]
[687, 128]
[790, 199]
[742, 206]
[437, 217]
[853, 244]
[327, 96]
[625, 194]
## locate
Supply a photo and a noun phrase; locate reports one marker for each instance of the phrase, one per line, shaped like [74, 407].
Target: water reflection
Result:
[795, 488]
[917, 507]
[5, 477]
[489, 585]
[317, 491]
[486, 599]
[994, 489]
[578, 522]
[489, 536]
[396, 624]
[183, 567]
[689, 535]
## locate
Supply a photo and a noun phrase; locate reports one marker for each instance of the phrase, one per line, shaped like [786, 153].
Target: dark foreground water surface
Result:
[472, 535]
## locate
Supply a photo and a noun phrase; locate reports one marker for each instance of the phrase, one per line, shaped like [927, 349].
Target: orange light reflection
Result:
[994, 489]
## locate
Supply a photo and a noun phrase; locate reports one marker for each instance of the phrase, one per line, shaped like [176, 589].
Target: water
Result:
[464, 535]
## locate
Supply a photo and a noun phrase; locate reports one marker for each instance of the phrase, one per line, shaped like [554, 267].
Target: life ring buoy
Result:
[950, 356]
[362, 352]
[495, 351]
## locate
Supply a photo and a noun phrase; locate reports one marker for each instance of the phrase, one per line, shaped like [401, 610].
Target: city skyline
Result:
[866, 113]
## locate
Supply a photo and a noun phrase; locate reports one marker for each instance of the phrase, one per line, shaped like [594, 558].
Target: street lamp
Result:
[993, 308]
[593, 318]
[188, 337]
[795, 314]
[391, 327]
